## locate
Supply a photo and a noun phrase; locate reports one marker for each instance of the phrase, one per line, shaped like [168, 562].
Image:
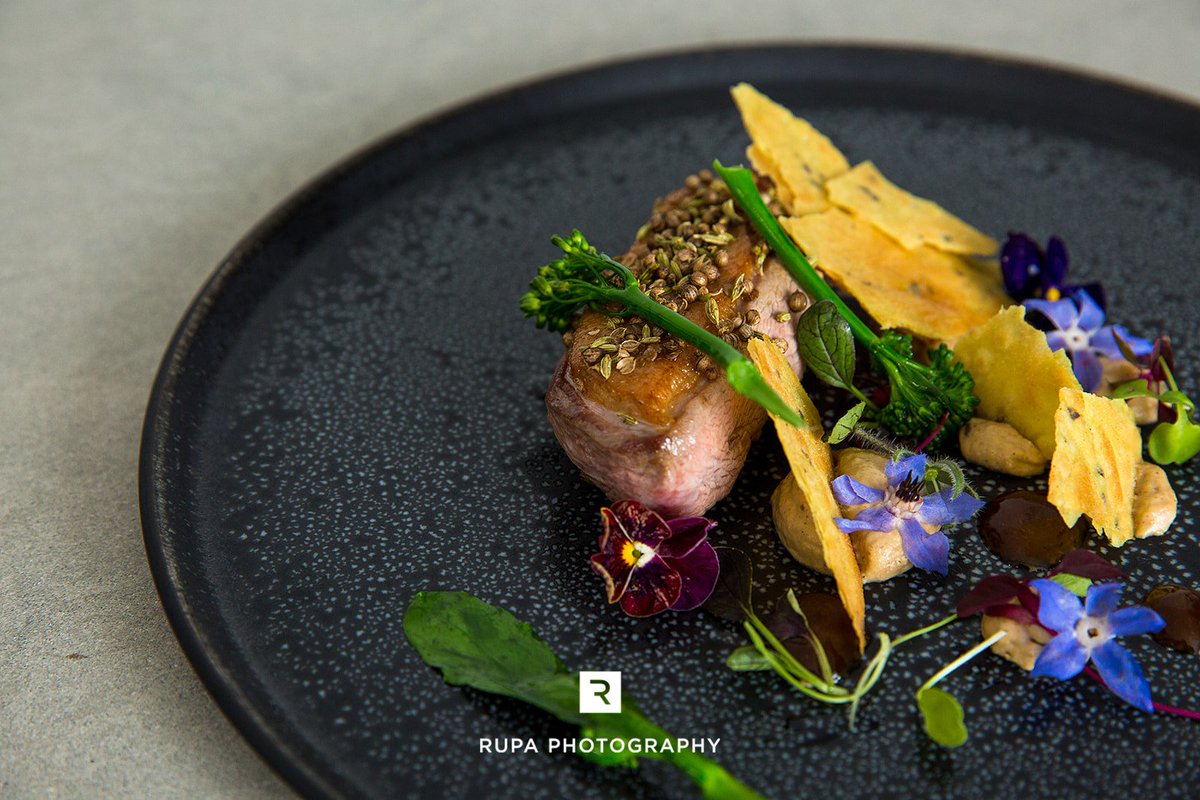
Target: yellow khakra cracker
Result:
[1017, 376]
[812, 469]
[927, 292]
[913, 221]
[1098, 450]
[797, 156]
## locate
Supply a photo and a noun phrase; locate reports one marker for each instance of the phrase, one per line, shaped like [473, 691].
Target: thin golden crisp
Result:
[913, 221]
[812, 469]
[797, 156]
[1098, 450]
[927, 292]
[1017, 376]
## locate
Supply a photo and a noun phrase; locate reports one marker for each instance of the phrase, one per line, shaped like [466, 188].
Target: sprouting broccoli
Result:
[926, 401]
[585, 277]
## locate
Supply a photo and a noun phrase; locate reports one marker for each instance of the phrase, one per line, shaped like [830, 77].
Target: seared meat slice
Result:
[645, 416]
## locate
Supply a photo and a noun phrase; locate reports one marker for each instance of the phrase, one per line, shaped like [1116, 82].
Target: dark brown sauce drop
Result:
[1180, 607]
[829, 621]
[1024, 528]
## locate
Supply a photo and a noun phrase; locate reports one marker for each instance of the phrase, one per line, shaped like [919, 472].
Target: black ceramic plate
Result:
[352, 411]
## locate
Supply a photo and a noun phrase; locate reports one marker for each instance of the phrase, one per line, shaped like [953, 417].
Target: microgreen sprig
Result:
[922, 397]
[586, 277]
[943, 714]
[1170, 442]
[733, 600]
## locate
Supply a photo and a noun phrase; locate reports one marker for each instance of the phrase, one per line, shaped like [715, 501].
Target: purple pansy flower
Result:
[1079, 329]
[902, 507]
[1087, 631]
[650, 565]
[1029, 272]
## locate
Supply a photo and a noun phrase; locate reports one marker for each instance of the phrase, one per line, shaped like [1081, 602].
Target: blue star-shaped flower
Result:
[902, 507]
[1087, 631]
[1079, 329]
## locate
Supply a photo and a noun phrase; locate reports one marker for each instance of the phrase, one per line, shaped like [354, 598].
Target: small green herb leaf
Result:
[826, 344]
[943, 717]
[747, 659]
[845, 426]
[1126, 350]
[1174, 442]
[1074, 584]
[1135, 388]
[1177, 399]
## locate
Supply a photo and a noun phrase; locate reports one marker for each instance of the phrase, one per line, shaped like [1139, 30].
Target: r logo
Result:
[599, 692]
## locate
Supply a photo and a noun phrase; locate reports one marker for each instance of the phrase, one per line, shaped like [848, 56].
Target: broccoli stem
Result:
[745, 192]
[740, 371]
[922, 396]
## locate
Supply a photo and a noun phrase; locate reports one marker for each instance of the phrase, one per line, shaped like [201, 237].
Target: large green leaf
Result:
[479, 645]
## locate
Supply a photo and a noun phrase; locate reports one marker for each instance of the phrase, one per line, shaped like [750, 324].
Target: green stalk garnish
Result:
[922, 396]
[585, 277]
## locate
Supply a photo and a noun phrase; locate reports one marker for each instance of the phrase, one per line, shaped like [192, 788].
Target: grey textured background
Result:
[139, 139]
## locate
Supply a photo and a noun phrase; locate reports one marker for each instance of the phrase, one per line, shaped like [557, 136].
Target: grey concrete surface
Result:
[138, 140]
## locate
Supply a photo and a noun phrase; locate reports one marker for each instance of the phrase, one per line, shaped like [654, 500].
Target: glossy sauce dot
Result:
[1180, 607]
[1022, 527]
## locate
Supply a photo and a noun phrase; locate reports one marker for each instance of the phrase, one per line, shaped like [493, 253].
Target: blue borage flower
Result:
[1087, 631]
[903, 507]
[1077, 327]
[1030, 272]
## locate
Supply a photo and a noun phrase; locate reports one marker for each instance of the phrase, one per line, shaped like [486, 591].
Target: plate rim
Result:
[271, 745]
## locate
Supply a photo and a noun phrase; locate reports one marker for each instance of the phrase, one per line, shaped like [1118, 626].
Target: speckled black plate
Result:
[352, 411]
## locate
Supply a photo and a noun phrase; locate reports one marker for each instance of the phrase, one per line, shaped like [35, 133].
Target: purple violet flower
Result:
[650, 565]
[1088, 631]
[902, 507]
[1079, 329]
[1029, 272]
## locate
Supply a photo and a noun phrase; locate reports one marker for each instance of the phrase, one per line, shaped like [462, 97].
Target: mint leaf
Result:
[845, 426]
[826, 344]
[943, 717]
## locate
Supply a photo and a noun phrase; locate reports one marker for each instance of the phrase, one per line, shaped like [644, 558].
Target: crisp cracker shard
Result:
[797, 156]
[1017, 376]
[1096, 457]
[898, 254]
[927, 292]
[812, 469]
[913, 221]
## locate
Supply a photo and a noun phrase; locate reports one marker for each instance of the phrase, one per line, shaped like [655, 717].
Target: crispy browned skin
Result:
[669, 431]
